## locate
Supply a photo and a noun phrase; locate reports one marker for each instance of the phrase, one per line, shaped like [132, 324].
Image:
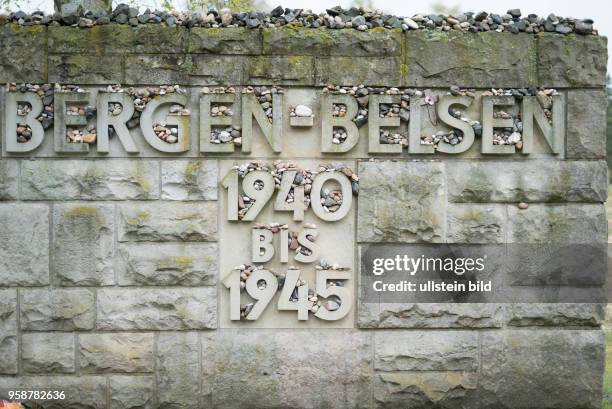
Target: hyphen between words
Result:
[165, 122]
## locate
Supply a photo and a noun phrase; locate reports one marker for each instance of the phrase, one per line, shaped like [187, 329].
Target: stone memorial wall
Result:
[190, 238]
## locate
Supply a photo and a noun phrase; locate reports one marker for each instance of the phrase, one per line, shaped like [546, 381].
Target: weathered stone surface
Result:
[396, 315]
[476, 223]
[227, 40]
[586, 124]
[168, 221]
[263, 368]
[131, 392]
[178, 369]
[116, 352]
[512, 182]
[189, 180]
[83, 237]
[23, 57]
[8, 332]
[288, 40]
[81, 392]
[572, 60]
[569, 223]
[163, 309]
[406, 202]
[552, 368]
[426, 351]
[432, 389]
[158, 38]
[374, 71]
[555, 315]
[9, 179]
[488, 59]
[291, 70]
[167, 264]
[47, 352]
[90, 180]
[85, 69]
[57, 310]
[24, 253]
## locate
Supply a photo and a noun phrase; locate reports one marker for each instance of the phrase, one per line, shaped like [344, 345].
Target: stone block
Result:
[571, 223]
[131, 392]
[294, 40]
[586, 124]
[281, 70]
[167, 264]
[116, 353]
[9, 179]
[189, 179]
[157, 309]
[572, 60]
[480, 60]
[227, 40]
[23, 56]
[405, 202]
[476, 223]
[8, 332]
[24, 254]
[158, 38]
[85, 69]
[396, 315]
[168, 221]
[178, 369]
[513, 182]
[426, 351]
[99, 39]
[83, 237]
[372, 71]
[271, 368]
[547, 368]
[81, 392]
[47, 352]
[57, 310]
[555, 315]
[90, 180]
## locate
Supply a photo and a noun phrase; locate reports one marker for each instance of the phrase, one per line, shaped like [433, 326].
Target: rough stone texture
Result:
[228, 40]
[406, 202]
[426, 351]
[83, 237]
[178, 369]
[558, 224]
[488, 59]
[9, 179]
[396, 315]
[572, 60]
[82, 392]
[291, 40]
[189, 180]
[262, 368]
[119, 353]
[90, 180]
[167, 264]
[555, 315]
[163, 309]
[292, 70]
[57, 310]
[476, 223]
[167, 222]
[512, 182]
[517, 367]
[47, 352]
[374, 71]
[131, 392]
[23, 57]
[24, 254]
[586, 124]
[85, 69]
[8, 332]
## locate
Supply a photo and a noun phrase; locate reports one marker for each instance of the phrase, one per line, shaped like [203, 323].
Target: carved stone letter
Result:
[181, 121]
[104, 120]
[330, 122]
[11, 120]
[272, 131]
[375, 122]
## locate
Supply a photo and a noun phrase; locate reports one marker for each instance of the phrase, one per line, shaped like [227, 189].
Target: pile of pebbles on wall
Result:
[359, 18]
